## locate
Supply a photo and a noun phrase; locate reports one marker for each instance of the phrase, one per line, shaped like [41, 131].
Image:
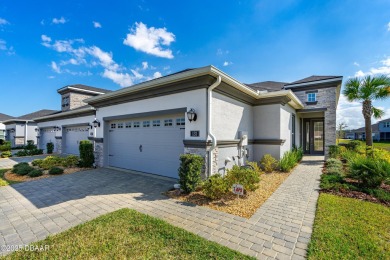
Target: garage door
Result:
[11, 137]
[46, 135]
[151, 145]
[72, 137]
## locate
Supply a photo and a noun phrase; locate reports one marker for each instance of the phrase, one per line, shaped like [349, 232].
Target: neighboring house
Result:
[3, 117]
[384, 129]
[66, 128]
[21, 129]
[380, 131]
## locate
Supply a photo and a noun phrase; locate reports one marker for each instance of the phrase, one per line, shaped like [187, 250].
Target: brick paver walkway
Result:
[281, 228]
[7, 163]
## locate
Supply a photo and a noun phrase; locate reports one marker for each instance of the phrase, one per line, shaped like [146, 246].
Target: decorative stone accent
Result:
[19, 141]
[98, 154]
[58, 145]
[75, 100]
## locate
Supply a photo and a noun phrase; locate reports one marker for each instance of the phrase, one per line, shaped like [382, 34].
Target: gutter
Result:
[209, 121]
[25, 133]
[76, 111]
[295, 102]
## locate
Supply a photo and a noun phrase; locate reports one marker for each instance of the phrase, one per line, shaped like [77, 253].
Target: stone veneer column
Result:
[58, 145]
[99, 148]
[330, 129]
[19, 141]
[205, 154]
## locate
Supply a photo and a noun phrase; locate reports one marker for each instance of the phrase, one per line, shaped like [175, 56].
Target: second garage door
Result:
[72, 137]
[151, 145]
[46, 135]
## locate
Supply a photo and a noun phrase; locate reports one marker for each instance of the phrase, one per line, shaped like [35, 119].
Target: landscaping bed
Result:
[127, 234]
[244, 206]
[13, 177]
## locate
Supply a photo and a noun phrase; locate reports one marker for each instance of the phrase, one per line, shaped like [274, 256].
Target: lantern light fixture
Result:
[191, 115]
[96, 123]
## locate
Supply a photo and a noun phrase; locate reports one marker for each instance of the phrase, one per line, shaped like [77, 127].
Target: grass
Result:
[127, 234]
[381, 144]
[3, 181]
[346, 228]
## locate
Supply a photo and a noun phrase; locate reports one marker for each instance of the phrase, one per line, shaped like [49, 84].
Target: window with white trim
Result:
[156, 123]
[146, 123]
[120, 125]
[136, 124]
[386, 124]
[168, 122]
[180, 121]
[311, 97]
[128, 124]
[113, 126]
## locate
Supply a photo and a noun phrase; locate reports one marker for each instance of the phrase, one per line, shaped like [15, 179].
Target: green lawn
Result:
[4, 182]
[127, 234]
[381, 144]
[347, 228]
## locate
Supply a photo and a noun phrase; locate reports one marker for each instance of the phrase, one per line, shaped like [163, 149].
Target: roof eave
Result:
[71, 112]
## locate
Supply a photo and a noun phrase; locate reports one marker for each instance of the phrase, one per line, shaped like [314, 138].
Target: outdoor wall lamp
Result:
[57, 128]
[96, 123]
[37, 130]
[191, 115]
[12, 130]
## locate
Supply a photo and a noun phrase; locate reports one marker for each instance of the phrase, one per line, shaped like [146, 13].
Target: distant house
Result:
[20, 129]
[380, 132]
[384, 129]
[3, 117]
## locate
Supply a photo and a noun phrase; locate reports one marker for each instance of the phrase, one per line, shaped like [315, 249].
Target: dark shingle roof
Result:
[39, 113]
[313, 78]
[384, 120]
[85, 87]
[4, 117]
[374, 127]
[267, 85]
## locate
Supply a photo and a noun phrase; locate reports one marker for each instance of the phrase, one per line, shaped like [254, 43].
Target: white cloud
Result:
[3, 21]
[221, 52]
[3, 47]
[45, 38]
[166, 67]
[42, 22]
[388, 26]
[96, 24]
[122, 79]
[227, 63]
[150, 40]
[137, 75]
[384, 68]
[145, 65]
[59, 20]
[356, 64]
[157, 75]
[55, 67]
[51, 77]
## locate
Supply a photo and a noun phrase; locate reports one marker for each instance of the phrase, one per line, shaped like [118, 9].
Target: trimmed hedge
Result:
[49, 148]
[87, 157]
[56, 171]
[190, 171]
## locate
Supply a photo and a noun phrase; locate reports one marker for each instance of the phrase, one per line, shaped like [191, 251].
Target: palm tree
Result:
[366, 90]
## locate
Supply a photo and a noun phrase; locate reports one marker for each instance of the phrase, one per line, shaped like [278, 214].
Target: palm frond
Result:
[377, 113]
[351, 90]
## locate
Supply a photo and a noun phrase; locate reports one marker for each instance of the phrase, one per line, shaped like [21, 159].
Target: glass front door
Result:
[314, 136]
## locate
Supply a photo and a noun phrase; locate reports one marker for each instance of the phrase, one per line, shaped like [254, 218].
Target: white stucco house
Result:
[147, 126]
[3, 117]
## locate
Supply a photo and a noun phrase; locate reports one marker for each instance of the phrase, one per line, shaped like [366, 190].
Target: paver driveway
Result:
[7, 163]
[281, 228]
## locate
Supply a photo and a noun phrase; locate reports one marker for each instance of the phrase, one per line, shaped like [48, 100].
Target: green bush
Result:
[334, 162]
[334, 170]
[190, 171]
[255, 166]
[56, 171]
[350, 155]
[6, 146]
[70, 161]
[370, 172]
[50, 162]
[30, 145]
[6, 154]
[35, 173]
[22, 169]
[334, 151]
[49, 148]
[268, 163]
[21, 153]
[290, 159]
[87, 157]
[37, 162]
[353, 145]
[1, 141]
[215, 187]
[247, 177]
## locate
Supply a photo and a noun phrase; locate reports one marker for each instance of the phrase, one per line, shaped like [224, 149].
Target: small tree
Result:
[87, 157]
[340, 130]
[49, 147]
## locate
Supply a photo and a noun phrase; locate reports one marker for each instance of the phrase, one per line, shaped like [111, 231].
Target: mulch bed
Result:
[22, 178]
[244, 206]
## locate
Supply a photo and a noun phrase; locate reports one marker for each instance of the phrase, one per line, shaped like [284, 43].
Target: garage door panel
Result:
[161, 147]
[72, 137]
[46, 135]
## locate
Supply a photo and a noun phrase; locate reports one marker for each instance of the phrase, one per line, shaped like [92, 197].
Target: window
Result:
[128, 124]
[293, 130]
[136, 124]
[120, 125]
[180, 121]
[113, 126]
[65, 101]
[146, 123]
[168, 122]
[311, 97]
[386, 124]
[156, 122]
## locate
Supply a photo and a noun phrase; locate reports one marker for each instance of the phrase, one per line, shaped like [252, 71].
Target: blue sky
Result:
[45, 45]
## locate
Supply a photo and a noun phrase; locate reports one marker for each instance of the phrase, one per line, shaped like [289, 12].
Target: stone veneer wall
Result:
[98, 154]
[204, 153]
[58, 145]
[77, 100]
[19, 141]
[326, 98]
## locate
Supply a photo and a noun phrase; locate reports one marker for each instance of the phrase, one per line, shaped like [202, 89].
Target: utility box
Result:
[241, 135]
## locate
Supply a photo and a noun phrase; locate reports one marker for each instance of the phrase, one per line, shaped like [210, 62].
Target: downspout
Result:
[25, 133]
[209, 121]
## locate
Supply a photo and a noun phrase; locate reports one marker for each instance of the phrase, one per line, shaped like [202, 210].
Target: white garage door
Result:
[151, 145]
[11, 137]
[72, 137]
[46, 135]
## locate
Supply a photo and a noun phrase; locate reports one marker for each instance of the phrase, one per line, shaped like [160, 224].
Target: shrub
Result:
[1, 141]
[353, 145]
[289, 160]
[6, 146]
[350, 155]
[334, 170]
[70, 161]
[30, 145]
[50, 162]
[37, 162]
[56, 171]
[247, 177]
[189, 171]
[22, 169]
[334, 151]
[334, 162]
[21, 153]
[86, 154]
[333, 182]
[382, 154]
[370, 172]
[6, 154]
[268, 163]
[49, 148]
[255, 166]
[215, 187]
[35, 173]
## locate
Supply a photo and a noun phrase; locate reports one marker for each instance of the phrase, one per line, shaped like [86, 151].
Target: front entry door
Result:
[314, 136]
